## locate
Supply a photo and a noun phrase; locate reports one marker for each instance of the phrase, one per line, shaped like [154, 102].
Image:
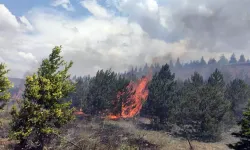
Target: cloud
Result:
[27, 56]
[63, 3]
[94, 8]
[8, 22]
[145, 32]
[26, 23]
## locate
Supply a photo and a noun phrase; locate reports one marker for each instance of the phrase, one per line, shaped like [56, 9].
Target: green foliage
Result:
[79, 96]
[178, 64]
[237, 92]
[211, 61]
[202, 62]
[103, 89]
[223, 60]
[202, 107]
[5, 86]
[233, 59]
[244, 134]
[242, 59]
[160, 101]
[43, 110]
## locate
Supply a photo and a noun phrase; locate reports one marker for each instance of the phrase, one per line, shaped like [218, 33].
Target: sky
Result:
[103, 34]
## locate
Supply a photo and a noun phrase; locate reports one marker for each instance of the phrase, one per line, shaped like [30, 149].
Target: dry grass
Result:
[121, 135]
[164, 140]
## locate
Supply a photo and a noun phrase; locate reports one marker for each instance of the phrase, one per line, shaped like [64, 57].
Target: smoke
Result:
[208, 27]
[214, 25]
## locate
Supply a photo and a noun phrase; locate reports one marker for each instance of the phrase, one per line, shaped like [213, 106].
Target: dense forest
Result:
[202, 105]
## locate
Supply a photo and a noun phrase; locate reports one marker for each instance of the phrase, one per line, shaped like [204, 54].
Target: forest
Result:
[195, 102]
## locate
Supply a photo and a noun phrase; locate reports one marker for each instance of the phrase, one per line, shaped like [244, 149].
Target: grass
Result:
[121, 135]
[164, 140]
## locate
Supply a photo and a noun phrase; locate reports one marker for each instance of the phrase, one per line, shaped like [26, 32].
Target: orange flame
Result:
[138, 93]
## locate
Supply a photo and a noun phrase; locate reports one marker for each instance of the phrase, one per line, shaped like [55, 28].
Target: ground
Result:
[100, 134]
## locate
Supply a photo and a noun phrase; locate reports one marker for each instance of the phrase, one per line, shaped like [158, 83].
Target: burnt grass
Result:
[98, 134]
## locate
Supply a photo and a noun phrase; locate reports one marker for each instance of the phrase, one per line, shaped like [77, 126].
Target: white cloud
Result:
[63, 3]
[27, 56]
[102, 40]
[8, 21]
[26, 23]
[94, 8]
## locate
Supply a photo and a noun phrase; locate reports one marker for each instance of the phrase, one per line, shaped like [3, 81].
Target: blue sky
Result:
[102, 34]
[21, 7]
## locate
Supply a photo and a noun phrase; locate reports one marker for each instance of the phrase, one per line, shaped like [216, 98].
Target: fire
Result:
[137, 94]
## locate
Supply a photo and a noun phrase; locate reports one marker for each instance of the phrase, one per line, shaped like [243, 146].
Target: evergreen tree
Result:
[233, 59]
[103, 89]
[43, 111]
[214, 106]
[190, 98]
[5, 86]
[79, 96]
[242, 59]
[237, 92]
[244, 134]
[161, 93]
[202, 107]
[202, 62]
[211, 61]
[223, 60]
[178, 64]
[216, 79]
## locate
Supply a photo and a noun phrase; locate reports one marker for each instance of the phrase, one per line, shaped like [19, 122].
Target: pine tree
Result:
[216, 79]
[5, 86]
[43, 111]
[215, 108]
[223, 60]
[242, 59]
[202, 107]
[211, 61]
[244, 134]
[233, 59]
[178, 64]
[202, 62]
[79, 96]
[161, 94]
[237, 92]
[103, 91]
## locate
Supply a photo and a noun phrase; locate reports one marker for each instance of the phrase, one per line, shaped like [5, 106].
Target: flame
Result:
[138, 93]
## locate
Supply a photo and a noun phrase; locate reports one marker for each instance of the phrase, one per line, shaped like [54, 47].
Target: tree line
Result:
[202, 108]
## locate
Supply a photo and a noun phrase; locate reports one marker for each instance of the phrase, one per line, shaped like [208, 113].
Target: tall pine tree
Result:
[161, 95]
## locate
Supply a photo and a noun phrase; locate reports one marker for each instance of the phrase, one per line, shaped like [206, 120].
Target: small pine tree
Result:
[178, 64]
[223, 60]
[242, 59]
[233, 59]
[43, 111]
[244, 134]
[103, 91]
[5, 85]
[202, 62]
[211, 61]
[237, 92]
